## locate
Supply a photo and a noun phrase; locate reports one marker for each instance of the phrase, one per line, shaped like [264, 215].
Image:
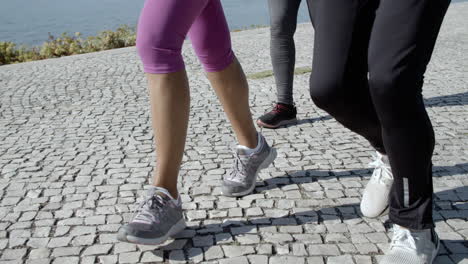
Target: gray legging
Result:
[283, 21]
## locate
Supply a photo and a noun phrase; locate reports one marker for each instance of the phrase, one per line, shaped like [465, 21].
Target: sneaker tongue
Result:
[151, 191]
[386, 160]
[157, 190]
[283, 106]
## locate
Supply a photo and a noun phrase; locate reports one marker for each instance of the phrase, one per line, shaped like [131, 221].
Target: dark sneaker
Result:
[243, 177]
[157, 218]
[281, 115]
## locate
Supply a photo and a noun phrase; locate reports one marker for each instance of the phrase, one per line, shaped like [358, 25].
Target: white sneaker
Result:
[375, 197]
[412, 247]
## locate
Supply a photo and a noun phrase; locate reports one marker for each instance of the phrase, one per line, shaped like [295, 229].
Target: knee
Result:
[382, 83]
[397, 97]
[160, 54]
[281, 27]
[325, 92]
[216, 59]
[213, 50]
[392, 80]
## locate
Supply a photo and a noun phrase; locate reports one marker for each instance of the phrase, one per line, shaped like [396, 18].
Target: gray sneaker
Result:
[157, 218]
[241, 180]
[412, 247]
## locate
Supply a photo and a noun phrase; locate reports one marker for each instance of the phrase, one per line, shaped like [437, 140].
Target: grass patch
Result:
[269, 73]
[302, 70]
[260, 75]
[249, 27]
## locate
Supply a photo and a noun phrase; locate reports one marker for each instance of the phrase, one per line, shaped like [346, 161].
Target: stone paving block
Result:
[308, 238]
[83, 240]
[59, 242]
[124, 247]
[38, 242]
[214, 252]
[236, 260]
[203, 241]
[258, 259]
[265, 249]
[362, 259]
[66, 251]
[18, 261]
[88, 260]
[277, 238]
[195, 255]
[38, 261]
[152, 257]
[11, 254]
[235, 251]
[347, 247]
[70, 260]
[460, 258]
[367, 248]
[315, 260]
[323, 250]
[177, 256]
[97, 250]
[129, 257]
[299, 250]
[248, 239]
[443, 260]
[39, 253]
[340, 259]
[286, 259]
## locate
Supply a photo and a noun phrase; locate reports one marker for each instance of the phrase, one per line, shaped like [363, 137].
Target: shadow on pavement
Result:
[447, 100]
[301, 177]
[232, 229]
[439, 101]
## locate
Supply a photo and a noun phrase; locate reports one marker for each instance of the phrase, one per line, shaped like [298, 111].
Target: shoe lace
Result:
[404, 239]
[276, 109]
[143, 213]
[382, 171]
[238, 173]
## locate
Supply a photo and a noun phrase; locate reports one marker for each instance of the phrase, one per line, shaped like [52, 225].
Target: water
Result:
[30, 21]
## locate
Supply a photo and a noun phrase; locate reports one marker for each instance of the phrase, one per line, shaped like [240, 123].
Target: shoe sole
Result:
[280, 124]
[384, 212]
[175, 229]
[271, 157]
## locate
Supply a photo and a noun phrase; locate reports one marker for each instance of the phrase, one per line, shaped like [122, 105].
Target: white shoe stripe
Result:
[405, 192]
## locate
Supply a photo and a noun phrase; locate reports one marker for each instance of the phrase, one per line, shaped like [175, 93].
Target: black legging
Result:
[283, 22]
[368, 68]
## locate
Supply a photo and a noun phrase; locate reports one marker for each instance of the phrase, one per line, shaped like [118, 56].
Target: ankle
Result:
[171, 190]
[291, 106]
[254, 147]
[250, 142]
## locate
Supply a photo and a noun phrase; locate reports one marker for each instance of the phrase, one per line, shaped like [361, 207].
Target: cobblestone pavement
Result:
[76, 152]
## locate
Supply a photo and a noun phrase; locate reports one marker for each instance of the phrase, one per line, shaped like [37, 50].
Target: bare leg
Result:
[170, 101]
[170, 105]
[232, 89]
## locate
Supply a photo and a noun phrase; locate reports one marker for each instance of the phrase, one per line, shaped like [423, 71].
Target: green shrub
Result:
[8, 52]
[66, 45]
